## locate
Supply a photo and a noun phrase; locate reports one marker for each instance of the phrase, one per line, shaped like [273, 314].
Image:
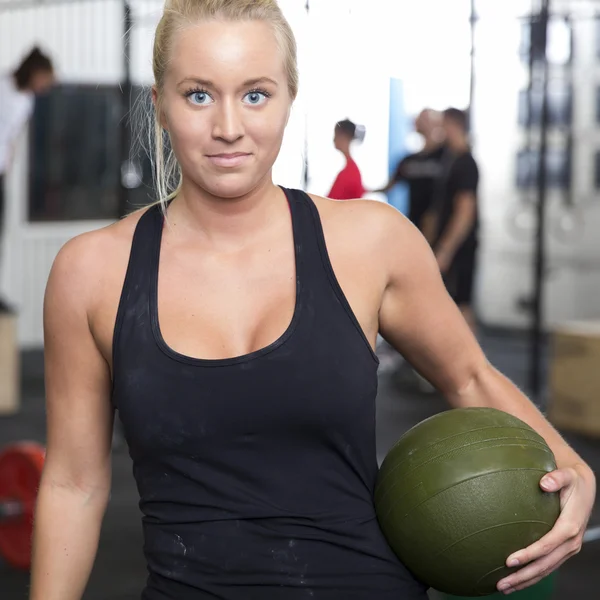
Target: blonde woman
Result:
[233, 327]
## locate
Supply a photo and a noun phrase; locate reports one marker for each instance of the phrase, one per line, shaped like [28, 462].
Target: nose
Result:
[228, 125]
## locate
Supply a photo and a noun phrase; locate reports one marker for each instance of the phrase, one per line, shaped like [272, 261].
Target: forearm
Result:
[490, 388]
[65, 541]
[456, 231]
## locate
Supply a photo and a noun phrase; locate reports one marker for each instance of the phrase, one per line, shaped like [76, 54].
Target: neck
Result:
[226, 224]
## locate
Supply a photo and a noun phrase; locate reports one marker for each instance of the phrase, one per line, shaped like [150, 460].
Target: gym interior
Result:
[528, 71]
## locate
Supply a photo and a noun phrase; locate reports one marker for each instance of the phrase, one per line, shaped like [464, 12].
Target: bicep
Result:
[418, 317]
[79, 412]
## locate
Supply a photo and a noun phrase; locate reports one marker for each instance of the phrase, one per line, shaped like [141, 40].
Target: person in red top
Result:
[348, 184]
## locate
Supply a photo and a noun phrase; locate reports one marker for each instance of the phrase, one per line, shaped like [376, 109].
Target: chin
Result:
[230, 186]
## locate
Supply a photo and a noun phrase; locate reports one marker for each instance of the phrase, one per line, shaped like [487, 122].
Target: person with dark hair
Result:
[421, 170]
[452, 224]
[348, 184]
[35, 75]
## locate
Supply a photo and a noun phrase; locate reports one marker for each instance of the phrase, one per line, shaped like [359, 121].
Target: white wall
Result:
[82, 38]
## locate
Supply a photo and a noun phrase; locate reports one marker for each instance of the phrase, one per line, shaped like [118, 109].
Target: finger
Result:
[532, 582]
[557, 480]
[536, 571]
[564, 531]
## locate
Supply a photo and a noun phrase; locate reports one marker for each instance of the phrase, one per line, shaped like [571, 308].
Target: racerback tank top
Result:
[256, 473]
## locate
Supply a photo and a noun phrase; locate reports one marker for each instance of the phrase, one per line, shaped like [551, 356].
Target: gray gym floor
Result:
[119, 573]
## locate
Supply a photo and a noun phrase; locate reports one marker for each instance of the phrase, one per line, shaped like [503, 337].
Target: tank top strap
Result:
[315, 270]
[143, 261]
[313, 265]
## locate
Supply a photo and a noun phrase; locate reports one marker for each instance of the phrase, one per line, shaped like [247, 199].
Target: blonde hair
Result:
[179, 14]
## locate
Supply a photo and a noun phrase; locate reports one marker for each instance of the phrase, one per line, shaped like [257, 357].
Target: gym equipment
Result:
[10, 400]
[20, 472]
[460, 492]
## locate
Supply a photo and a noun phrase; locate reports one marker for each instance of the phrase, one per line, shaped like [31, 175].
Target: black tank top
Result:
[256, 473]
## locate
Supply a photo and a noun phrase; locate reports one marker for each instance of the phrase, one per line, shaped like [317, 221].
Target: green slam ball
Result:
[460, 492]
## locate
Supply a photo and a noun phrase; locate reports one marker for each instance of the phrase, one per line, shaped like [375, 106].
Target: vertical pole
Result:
[473, 21]
[540, 254]
[126, 88]
[305, 175]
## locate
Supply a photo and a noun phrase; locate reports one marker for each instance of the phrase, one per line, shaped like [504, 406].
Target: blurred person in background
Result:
[35, 75]
[348, 184]
[421, 170]
[451, 225]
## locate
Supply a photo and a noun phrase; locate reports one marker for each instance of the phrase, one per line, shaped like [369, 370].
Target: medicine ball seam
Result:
[403, 438]
[407, 492]
[508, 523]
[502, 568]
[460, 483]
[541, 447]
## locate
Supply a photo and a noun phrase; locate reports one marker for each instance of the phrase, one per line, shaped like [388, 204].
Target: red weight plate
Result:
[20, 472]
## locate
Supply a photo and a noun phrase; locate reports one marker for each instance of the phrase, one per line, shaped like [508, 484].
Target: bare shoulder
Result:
[373, 226]
[85, 259]
[89, 270]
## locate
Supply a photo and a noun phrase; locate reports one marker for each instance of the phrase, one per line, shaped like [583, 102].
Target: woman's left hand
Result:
[577, 492]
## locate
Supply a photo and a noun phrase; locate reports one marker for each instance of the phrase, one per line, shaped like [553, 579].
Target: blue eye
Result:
[199, 98]
[256, 97]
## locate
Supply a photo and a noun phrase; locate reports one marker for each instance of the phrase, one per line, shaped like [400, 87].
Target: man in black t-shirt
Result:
[422, 169]
[451, 225]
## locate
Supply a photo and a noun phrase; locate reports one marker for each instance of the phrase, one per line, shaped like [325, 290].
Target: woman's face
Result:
[225, 104]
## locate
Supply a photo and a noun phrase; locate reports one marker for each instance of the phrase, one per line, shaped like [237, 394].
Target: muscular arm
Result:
[419, 319]
[75, 485]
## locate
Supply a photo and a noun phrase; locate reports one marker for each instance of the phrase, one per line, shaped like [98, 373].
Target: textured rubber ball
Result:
[460, 492]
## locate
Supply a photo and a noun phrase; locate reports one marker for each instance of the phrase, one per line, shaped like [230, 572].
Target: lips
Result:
[229, 159]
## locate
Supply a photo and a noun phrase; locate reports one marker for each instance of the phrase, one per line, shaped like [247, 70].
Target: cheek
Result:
[187, 129]
[267, 130]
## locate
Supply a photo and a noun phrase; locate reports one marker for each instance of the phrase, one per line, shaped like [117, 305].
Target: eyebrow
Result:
[247, 83]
